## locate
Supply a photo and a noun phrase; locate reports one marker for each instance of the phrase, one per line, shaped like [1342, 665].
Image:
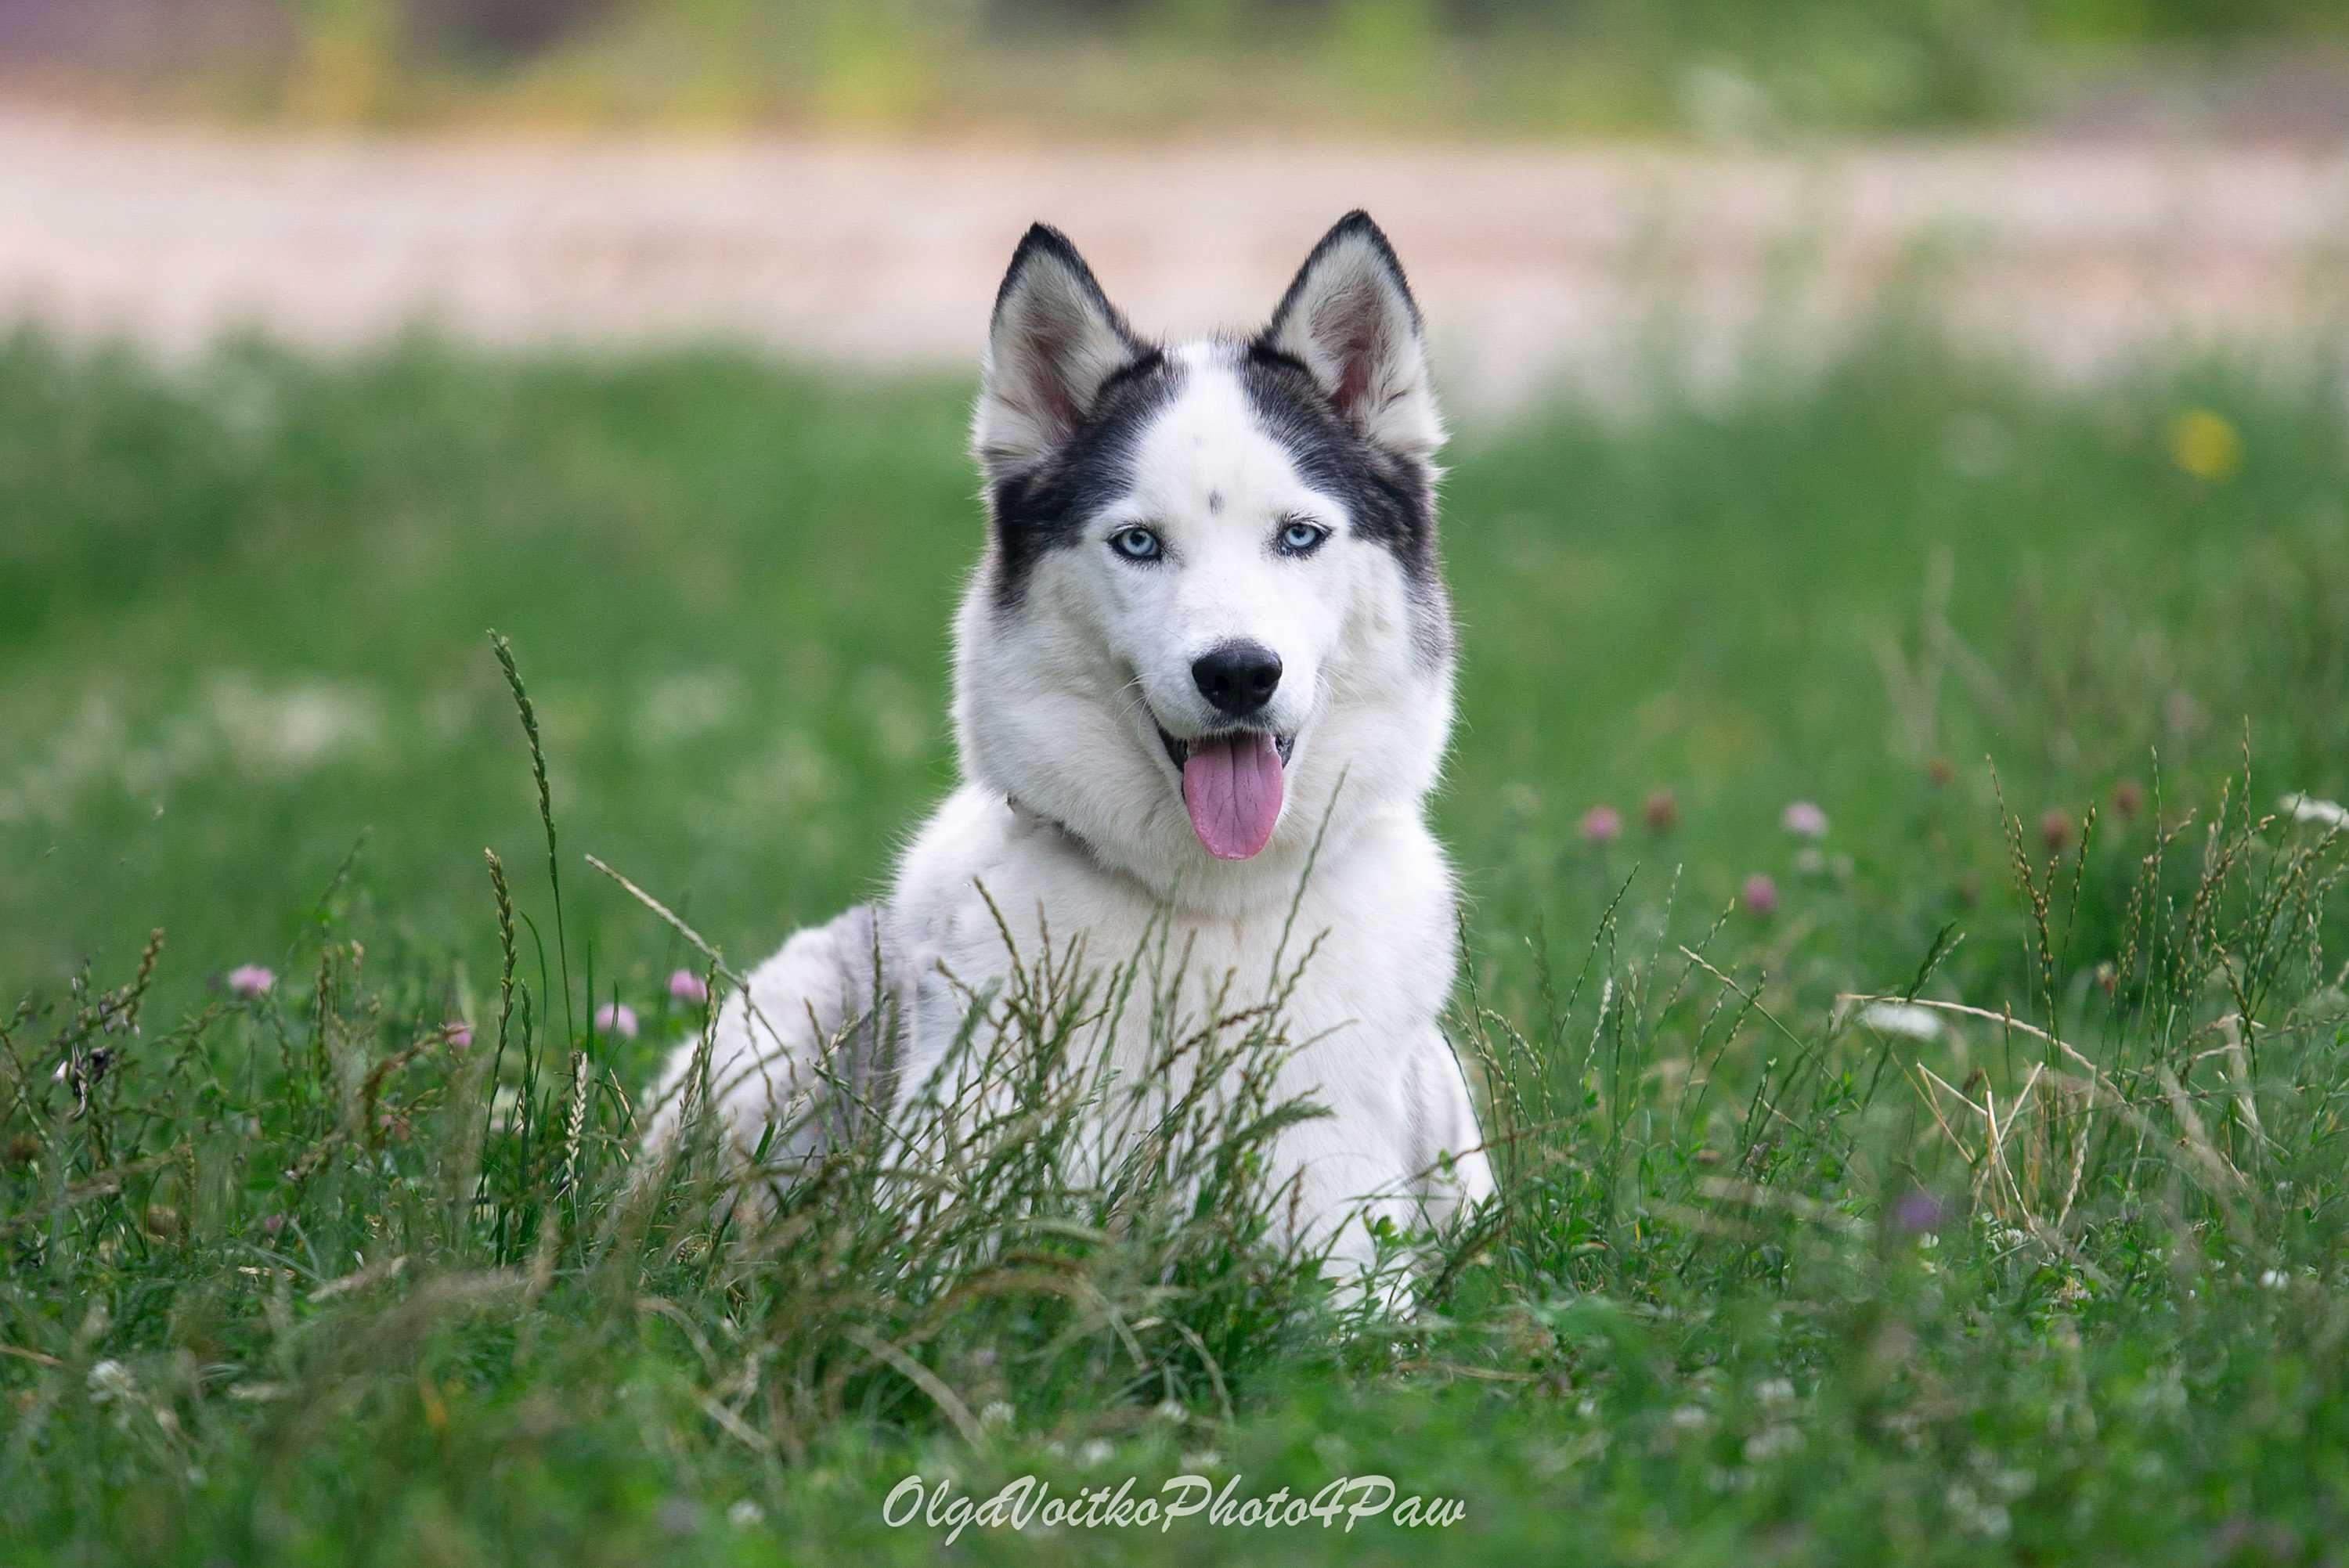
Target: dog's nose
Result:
[1239, 677]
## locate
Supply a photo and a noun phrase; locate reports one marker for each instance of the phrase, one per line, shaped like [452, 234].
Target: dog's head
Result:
[1211, 589]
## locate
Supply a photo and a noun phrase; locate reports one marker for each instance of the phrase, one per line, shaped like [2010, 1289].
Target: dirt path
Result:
[1531, 263]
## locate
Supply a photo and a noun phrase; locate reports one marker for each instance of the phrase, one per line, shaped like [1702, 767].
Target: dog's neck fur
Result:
[1213, 893]
[1368, 754]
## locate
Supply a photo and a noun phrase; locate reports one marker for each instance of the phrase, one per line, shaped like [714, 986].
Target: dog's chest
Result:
[1361, 966]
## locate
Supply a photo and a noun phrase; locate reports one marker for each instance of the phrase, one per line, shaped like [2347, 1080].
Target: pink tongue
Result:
[1232, 787]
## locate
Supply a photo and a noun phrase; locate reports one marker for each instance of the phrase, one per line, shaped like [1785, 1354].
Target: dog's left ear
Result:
[1350, 319]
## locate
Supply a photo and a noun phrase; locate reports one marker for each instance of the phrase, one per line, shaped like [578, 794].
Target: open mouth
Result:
[1232, 787]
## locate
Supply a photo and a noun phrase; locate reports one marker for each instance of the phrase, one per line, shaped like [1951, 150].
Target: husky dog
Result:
[1209, 631]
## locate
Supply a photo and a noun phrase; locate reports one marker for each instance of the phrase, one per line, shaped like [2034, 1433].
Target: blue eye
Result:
[1137, 544]
[1299, 537]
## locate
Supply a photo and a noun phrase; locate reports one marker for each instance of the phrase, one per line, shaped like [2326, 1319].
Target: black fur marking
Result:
[1045, 508]
[1390, 496]
[1355, 224]
[1041, 240]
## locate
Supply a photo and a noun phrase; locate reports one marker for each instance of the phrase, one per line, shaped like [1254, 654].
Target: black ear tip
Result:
[1043, 246]
[1042, 239]
[1356, 228]
[1358, 224]
[1043, 242]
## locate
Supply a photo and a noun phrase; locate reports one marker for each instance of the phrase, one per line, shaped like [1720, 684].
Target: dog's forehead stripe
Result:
[1205, 448]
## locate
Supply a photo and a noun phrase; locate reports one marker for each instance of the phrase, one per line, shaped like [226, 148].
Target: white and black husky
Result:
[1207, 629]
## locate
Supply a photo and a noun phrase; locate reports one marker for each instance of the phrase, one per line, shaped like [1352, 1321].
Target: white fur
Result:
[1072, 821]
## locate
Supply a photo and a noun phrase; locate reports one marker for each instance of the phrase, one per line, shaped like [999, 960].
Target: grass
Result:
[299, 1277]
[1732, 69]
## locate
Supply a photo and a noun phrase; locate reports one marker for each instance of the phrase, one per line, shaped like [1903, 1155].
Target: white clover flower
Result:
[111, 1380]
[1905, 1018]
[996, 1413]
[2304, 808]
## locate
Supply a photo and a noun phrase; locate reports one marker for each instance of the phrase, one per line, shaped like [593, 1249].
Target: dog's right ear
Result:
[1053, 341]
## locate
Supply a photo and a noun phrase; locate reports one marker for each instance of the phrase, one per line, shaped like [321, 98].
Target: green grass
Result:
[288, 1279]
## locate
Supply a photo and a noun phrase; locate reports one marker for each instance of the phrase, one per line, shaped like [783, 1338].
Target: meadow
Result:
[2018, 709]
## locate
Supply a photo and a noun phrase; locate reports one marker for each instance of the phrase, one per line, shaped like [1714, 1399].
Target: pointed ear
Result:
[1054, 339]
[1350, 320]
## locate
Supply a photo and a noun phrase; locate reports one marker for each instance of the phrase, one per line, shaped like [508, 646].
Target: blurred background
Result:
[1056, 68]
[1898, 517]
[840, 179]
[1845, 392]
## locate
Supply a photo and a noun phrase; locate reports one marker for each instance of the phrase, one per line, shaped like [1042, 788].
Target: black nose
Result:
[1238, 678]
